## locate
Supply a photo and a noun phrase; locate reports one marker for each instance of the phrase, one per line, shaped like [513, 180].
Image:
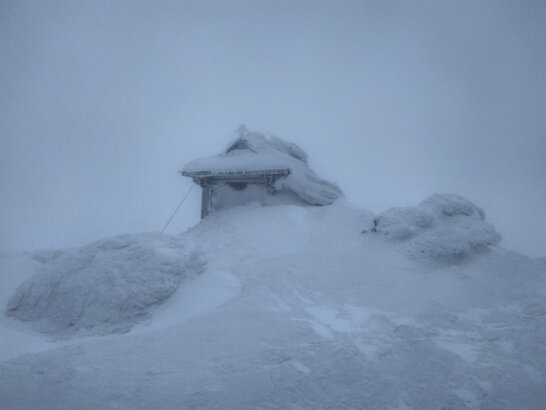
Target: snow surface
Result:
[256, 151]
[298, 309]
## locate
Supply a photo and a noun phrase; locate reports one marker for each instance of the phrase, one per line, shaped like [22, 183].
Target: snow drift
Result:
[445, 227]
[105, 287]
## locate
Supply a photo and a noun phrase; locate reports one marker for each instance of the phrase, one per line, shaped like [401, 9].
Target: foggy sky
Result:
[101, 103]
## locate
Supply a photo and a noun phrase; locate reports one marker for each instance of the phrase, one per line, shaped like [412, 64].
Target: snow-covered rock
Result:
[105, 287]
[446, 227]
[451, 205]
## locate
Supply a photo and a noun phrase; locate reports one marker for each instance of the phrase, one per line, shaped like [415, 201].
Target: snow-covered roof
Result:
[254, 152]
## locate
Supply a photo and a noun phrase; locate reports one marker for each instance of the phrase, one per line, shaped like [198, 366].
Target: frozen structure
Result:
[262, 168]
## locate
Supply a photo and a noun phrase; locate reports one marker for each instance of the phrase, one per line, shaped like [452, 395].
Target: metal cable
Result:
[177, 208]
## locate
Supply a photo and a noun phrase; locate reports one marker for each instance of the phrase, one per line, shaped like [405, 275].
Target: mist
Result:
[102, 103]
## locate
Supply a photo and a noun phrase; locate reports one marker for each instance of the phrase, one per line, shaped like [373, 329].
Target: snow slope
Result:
[298, 309]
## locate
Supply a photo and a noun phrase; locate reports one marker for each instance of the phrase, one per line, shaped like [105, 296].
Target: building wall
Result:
[224, 196]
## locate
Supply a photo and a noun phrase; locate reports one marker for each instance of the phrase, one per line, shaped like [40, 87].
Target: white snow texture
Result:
[296, 309]
[445, 227]
[104, 287]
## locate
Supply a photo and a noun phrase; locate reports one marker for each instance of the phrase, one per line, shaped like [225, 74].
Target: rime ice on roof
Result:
[273, 167]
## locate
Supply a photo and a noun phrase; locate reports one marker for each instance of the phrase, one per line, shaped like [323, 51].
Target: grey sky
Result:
[102, 102]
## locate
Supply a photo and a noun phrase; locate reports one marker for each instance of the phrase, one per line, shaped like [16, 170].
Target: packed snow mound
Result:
[105, 287]
[254, 151]
[446, 226]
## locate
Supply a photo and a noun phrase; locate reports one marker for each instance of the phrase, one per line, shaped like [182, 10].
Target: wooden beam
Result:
[205, 201]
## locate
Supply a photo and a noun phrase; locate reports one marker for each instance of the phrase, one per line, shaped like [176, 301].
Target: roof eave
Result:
[231, 173]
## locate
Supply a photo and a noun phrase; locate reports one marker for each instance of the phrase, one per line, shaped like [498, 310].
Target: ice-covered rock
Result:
[401, 222]
[451, 205]
[454, 240]
[104, 287]
[441, 227]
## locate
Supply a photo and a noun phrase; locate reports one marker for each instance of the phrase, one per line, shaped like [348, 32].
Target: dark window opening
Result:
[238, 186]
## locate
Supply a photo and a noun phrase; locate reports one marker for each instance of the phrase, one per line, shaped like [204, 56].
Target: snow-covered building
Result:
[258, 167]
